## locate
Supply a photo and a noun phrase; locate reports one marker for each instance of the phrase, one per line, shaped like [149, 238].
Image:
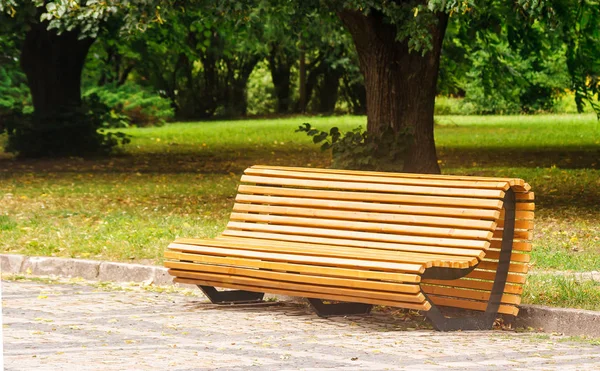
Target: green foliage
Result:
[261, 94]
[13, 83]
[75, 132]
[361, 150]
[136, 105]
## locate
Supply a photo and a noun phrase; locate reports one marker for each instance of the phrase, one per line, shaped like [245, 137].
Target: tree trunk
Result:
[59, 126]
[53, 65]
[328, 92]
[302, 100]
[280, 66]
[400, 84]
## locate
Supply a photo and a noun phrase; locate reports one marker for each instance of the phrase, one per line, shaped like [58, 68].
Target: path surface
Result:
[79, 327]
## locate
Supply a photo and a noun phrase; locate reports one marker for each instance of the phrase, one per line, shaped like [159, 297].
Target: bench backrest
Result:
[434, 215]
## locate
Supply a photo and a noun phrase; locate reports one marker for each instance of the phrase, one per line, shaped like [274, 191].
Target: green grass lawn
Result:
[180, 180]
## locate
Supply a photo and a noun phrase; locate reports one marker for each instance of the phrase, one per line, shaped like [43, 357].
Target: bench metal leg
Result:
[338, 309]
[486, 320]
[231, 297]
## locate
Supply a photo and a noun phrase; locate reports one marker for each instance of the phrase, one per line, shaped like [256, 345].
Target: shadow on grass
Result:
[561, 177]
[561, 157]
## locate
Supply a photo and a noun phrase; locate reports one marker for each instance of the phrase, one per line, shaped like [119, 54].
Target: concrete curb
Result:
[561, 320]
[92, 270]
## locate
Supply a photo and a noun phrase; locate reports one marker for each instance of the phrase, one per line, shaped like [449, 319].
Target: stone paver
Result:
[78, 327]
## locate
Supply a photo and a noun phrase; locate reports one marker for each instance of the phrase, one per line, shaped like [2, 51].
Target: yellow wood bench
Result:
[369, 238]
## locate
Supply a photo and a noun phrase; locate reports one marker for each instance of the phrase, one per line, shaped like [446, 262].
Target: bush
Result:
[361, 150]
[78, 131]
[13, 90]
[261, 93]
[453, 106]
[140, 106]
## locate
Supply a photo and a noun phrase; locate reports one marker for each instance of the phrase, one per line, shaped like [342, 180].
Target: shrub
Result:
[142, 107]
[65, 132]
[361, 150]
[261, 93]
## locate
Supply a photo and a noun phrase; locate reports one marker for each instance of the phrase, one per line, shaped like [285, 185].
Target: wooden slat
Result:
[315, 260]
[517, 246]
[335, 250]
[512, 181]
[468, 184]
[514, 257]
[304, 286]
[513, 267]
[454, 212]
[519, 224]
[373, 197]
[427, 260]
[468, 294]
[369, 236]
[525, 206]
[291, 267]
[473, 305]
[294, 277]
[529, 196]
[518, 235]
[345, 225]
[308, 294]
[387, 218]
[509, 288]
[520, 215]
[472, 253]
[485, 275]
[375, 187]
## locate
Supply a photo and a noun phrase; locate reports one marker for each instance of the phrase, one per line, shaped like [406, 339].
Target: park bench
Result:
[357, 239]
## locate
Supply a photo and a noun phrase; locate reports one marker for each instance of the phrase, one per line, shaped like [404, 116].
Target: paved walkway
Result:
[79, 327]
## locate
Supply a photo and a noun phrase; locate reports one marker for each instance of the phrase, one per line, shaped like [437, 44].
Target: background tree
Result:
[58, 36]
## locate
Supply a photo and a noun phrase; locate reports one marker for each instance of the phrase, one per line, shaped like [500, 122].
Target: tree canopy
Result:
[505, 56]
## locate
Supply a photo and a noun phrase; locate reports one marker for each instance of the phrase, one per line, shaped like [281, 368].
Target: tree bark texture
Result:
[400, 85]
[53, 65]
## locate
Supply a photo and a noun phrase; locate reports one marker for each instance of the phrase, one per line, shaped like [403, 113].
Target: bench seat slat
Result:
[519, 235]
[495, 204]
[295, 277]
[292, 267]
[305, 259]
[514, 257]
[301, 286]
[427, 260]
[489, 276]
[336, 251]
[308, 294]
[368, 236]
[383, 188]
[427, 182]
[513, 267]
[468, 294]
[517, 246]
[471, 253]
[471, 304]
[510, 288]
[454, 213]
[425, 221]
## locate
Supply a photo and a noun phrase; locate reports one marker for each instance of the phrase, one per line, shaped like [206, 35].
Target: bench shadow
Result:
[380, 319]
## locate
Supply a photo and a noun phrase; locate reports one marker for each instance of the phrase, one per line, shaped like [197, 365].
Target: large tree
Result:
[58, 35]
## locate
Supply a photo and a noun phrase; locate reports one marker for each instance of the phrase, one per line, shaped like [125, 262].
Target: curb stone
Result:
[567, 321]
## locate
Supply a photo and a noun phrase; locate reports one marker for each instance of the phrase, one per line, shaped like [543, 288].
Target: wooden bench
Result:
[369, 238]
